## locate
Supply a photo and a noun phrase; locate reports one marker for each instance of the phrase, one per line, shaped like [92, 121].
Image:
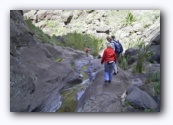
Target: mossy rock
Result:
[83, 73]
[69, 101]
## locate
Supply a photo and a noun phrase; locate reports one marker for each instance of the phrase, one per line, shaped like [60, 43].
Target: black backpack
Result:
[118, 47]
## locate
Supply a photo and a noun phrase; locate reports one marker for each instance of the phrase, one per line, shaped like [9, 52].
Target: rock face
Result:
[37, 71]
[70, 20]
[100, 24]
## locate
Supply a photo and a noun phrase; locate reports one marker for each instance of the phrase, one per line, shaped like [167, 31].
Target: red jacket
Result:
[108, 55]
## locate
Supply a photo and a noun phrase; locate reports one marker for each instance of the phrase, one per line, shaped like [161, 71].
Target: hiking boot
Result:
[109, 81]
[114, 73]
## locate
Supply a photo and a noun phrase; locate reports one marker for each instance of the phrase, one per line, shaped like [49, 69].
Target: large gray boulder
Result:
[140, 99]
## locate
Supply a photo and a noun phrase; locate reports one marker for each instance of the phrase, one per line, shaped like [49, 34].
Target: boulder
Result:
[140, 99]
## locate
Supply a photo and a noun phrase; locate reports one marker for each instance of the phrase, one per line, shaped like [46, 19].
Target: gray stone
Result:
[140, 99]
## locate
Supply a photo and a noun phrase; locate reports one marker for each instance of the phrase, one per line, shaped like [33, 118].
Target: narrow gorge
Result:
[50, 71]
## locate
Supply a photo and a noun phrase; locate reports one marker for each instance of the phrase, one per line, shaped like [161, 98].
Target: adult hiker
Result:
[110, 40]
[118, 50]
[109, 59]
[87, 51]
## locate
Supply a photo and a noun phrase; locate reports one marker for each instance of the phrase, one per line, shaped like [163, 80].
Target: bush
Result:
[156, 80]
[40, 34]
[129, 19]
[142, 56]
[124, 62]
[80, 42]
[157, 88]
[74, 40]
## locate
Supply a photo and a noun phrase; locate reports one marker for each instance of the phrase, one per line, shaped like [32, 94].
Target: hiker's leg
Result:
[113, 72]
[111, 68]
[115, 68]
[118, 55]
[106, 72]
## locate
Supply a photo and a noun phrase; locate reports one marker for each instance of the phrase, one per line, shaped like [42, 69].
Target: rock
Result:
[37, 71]
[80, 75]
[131, 52]
[155, 51]
[103, 30]
[99, 97]
[104, 102]
[132, 59]
[153, 69]
[20, 91]
[137, 82]
[152, 34]
[156, 40]
[140, 99]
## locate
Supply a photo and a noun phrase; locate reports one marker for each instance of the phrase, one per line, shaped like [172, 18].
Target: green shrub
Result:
[74, 40]
[155, 78]
[40, 34]
[37, 31]
[124, 62]
[127, 103]
[142, 56]
[157, 88]
[80, 42]
[129, 19]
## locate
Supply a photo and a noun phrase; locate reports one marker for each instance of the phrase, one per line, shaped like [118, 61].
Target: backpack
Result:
[118, 47]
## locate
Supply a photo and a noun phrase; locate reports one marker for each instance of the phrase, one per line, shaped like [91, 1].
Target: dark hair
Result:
[108, 37]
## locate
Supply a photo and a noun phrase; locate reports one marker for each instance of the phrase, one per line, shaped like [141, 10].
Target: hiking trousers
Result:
[108, 71]
[116, 64]
[115, 68]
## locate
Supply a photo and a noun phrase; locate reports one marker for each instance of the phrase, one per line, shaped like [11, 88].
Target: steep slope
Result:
[37, 71]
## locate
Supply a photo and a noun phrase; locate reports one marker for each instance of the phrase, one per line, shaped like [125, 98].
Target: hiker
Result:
[109, 59]
[118, 50]
[87, 51]
[110, 40]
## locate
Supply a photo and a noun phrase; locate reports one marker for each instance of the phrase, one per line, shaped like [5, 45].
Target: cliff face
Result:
[127, 25]
[37, 71]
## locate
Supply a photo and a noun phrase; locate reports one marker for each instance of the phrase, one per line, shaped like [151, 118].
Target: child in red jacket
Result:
[87, 50]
